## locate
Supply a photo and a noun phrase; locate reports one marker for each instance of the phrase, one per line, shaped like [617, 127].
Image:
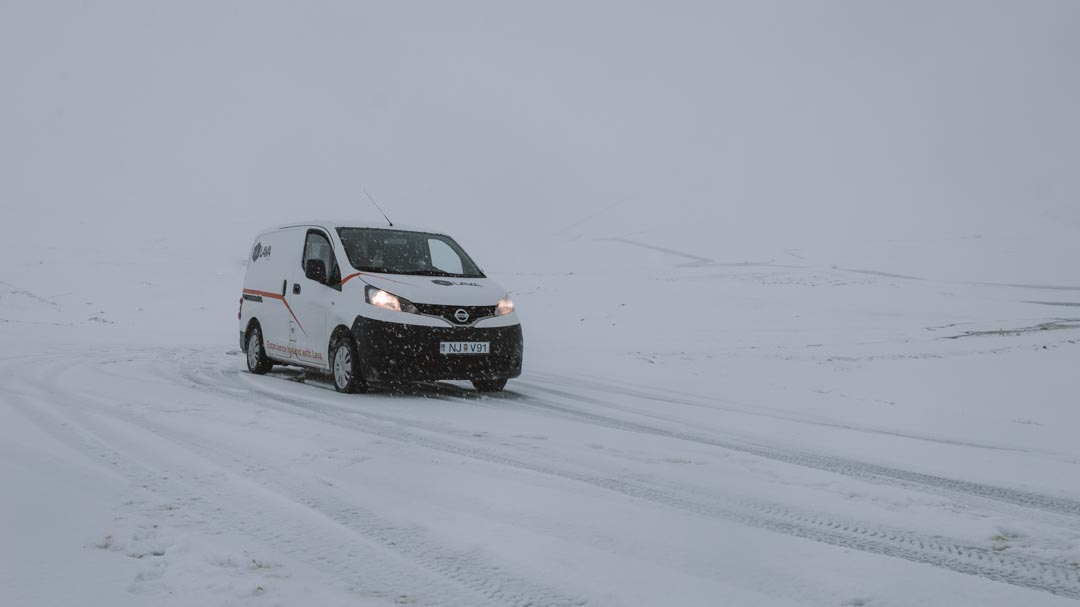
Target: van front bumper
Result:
[391, 351]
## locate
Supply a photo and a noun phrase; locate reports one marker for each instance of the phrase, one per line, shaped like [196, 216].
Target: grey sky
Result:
[769, 116]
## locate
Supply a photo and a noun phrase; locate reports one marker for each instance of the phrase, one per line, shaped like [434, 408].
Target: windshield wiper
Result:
[440, 273]
[430, 273]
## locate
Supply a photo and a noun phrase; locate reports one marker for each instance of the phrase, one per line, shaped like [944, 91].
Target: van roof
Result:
[329, 225]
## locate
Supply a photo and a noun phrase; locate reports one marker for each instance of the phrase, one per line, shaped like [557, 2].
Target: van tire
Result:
[489, 385]
[257, 360]
[346, 376]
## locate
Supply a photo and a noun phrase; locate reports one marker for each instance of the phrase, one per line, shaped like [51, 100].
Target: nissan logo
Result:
[461, 315]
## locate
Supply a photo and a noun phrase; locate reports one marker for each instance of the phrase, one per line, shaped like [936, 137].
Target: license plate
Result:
[465, 347]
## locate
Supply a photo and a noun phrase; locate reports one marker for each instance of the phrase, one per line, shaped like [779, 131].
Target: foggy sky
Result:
[750, 119]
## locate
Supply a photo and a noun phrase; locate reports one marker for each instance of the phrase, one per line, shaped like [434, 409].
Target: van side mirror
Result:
[315, 269]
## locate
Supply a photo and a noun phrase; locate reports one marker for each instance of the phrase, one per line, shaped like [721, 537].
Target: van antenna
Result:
[378, 207]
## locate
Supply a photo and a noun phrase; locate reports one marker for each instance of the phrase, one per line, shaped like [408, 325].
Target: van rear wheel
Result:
[489, 385]
[345, 366]
[257, 360]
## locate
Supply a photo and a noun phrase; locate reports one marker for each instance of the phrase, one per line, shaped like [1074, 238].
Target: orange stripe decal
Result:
[287, 307]
[280, 298]
[352, 276]
[263, 294]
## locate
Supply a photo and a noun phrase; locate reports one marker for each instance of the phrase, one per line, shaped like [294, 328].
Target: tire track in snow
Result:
[1049, 509]
[468, 569]
[1030, 572]
[689, 400]
[359, 570]
[447, 572]
[917, 481]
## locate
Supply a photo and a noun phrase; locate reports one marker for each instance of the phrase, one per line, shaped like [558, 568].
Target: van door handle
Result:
[296, 288]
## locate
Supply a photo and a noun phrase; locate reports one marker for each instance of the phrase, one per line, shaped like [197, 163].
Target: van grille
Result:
[448, 312]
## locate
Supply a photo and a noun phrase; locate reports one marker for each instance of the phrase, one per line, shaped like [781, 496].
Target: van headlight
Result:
[389, 301]
[504, 307]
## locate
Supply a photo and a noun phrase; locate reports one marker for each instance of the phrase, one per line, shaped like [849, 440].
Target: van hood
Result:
[438, 290]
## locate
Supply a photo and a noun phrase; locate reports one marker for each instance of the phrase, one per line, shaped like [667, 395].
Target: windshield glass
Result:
[389, 251]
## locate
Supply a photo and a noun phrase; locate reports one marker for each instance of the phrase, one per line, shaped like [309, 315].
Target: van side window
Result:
[318, 247]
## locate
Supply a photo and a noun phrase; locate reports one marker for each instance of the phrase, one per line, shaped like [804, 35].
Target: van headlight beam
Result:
[389, 301]
[505, 306]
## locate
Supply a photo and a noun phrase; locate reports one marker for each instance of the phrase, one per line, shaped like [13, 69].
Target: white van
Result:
[375, 304]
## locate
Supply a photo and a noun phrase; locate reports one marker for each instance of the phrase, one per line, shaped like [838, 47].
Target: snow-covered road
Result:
[879, 425]
[797, 281]
[207, 485]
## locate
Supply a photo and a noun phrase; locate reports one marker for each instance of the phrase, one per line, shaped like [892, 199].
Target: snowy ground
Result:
[778, 427]
[798, 280]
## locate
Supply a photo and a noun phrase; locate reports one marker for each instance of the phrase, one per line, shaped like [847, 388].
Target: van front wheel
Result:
[489, 385]
[345, 366]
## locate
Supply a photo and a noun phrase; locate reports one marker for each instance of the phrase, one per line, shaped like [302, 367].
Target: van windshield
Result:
[389, 251]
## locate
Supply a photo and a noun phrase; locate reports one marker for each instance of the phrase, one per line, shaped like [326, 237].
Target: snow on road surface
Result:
[798, 283]
[890, 440]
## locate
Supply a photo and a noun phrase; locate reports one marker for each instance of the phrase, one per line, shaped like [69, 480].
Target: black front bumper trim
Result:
[391, 351]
